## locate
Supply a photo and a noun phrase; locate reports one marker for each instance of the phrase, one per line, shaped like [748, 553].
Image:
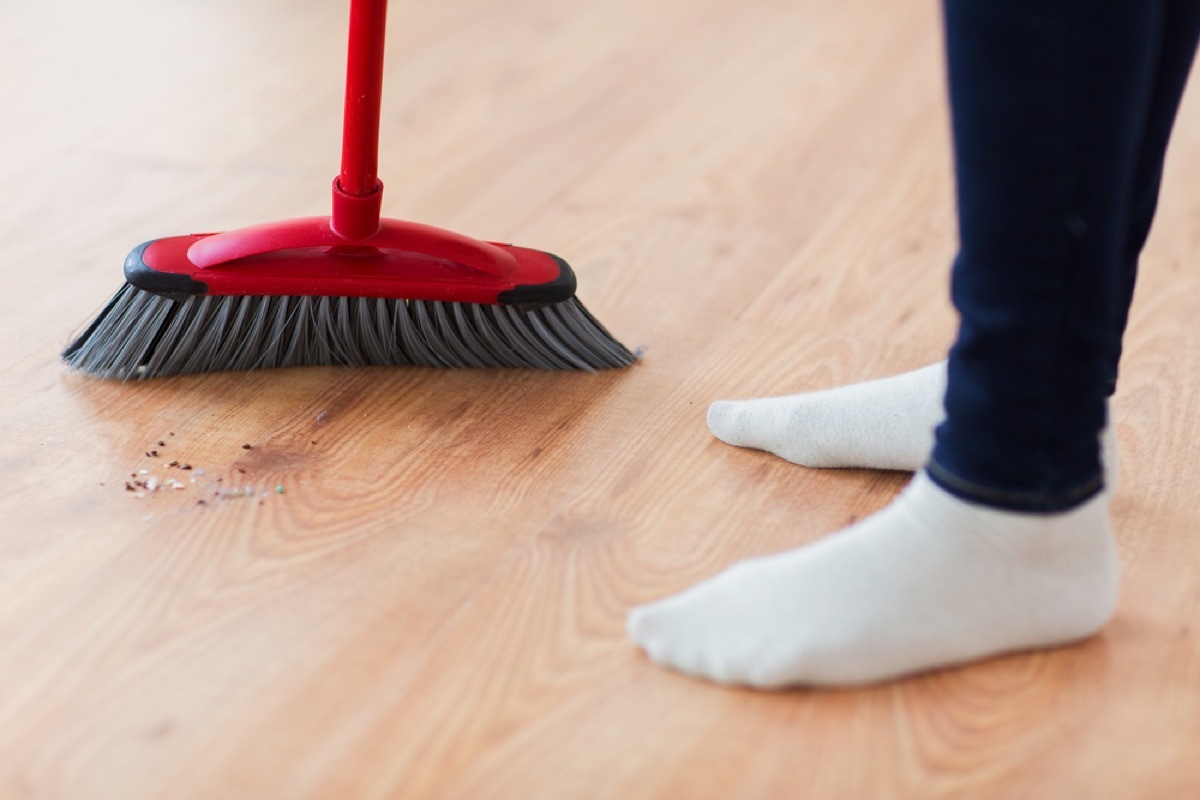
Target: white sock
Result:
[881, 424]
[929, 581]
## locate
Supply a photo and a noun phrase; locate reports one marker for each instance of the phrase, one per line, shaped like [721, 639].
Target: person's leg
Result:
[960, 567]
[1180, 32]
[1049, 100]
[886, 423]
[889, 423]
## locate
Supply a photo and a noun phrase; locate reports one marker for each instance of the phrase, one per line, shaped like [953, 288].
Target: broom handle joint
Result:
[360, 130]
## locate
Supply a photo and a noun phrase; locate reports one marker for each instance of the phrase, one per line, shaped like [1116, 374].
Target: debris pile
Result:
[143, 483]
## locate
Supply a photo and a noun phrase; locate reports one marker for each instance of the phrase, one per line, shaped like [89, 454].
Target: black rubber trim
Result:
[142, 276]
[536, 295]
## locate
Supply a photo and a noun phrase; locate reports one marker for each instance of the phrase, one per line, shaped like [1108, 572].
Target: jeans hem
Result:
[1010, 500]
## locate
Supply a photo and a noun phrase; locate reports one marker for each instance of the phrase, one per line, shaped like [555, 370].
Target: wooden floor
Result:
[423, 595]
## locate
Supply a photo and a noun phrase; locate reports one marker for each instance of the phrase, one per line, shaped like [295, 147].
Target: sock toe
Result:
[637, 624]
[724, 422]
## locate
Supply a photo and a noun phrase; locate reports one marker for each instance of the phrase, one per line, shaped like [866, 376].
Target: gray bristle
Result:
[141, 335]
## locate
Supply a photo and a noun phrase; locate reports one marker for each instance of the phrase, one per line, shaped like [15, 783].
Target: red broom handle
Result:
[357, 192]
[355, 228]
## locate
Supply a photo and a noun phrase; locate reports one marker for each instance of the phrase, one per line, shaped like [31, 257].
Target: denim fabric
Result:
[1061, 111]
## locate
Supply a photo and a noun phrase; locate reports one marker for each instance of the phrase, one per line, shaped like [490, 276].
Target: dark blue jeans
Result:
[1061, 113]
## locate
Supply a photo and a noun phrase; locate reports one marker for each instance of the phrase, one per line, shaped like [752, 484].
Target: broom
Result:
[348, 289]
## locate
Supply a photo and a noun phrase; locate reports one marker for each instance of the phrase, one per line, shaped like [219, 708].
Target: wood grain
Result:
[422, 595]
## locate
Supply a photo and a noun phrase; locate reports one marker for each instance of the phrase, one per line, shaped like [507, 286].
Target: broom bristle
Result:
[143, 335]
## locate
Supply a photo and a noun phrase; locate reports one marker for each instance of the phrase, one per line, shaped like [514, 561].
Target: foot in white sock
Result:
[929, 581]
[881, 424]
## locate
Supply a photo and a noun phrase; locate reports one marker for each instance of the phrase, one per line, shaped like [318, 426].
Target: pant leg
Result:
[1180, 32]
[1049, 102]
